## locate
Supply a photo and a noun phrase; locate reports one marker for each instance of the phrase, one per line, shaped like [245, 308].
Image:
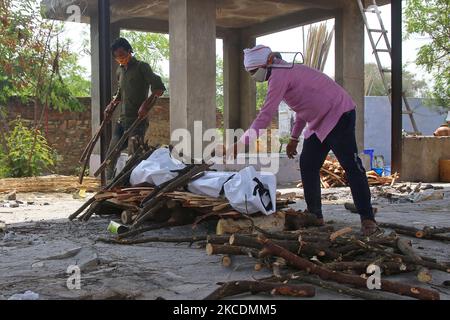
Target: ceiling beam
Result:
[289, 21]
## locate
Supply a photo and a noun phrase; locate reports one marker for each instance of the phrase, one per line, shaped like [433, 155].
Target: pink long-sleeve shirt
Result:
[316, 99]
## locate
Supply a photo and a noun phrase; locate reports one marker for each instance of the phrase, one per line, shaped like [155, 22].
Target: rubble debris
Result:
[12, 195]
[332, 175]
[2, 227]
[47, 184]
[407, 193]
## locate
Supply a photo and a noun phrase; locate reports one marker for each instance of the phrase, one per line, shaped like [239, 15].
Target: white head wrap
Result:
[256, 57]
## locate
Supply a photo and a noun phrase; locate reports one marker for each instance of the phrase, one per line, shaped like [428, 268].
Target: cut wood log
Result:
[427, 231]
[214, 239]
[273, 223]
[213, 249]
[303, 277]
[423, 274]
[239, 287]
[154, 239]
[227, 261]
[413, 232]
[325, 273]
[340, 233]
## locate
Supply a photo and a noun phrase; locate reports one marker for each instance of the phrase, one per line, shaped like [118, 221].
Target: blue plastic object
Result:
[370, 153]
[379, 171]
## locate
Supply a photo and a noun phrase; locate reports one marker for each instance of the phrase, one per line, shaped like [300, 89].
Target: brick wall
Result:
[67, 132]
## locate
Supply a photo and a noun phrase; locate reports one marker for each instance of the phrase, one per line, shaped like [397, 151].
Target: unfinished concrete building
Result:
[194, 25]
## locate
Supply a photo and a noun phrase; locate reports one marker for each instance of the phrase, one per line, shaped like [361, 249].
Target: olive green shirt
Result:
[134, 82]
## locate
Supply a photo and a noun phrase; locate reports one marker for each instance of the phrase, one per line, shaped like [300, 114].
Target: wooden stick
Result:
[238, 287]
[413, 232]
[227, 261]
[154, 239]
[423, 274]
[427, 231]
[339, 288]
[325, 273]
[340, 233]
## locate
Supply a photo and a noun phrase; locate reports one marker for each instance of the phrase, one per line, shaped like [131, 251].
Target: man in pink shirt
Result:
[327, 110]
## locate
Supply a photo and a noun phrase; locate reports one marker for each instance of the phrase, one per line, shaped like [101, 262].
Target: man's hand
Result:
[291, 149]
[110, 108]
[158, 92]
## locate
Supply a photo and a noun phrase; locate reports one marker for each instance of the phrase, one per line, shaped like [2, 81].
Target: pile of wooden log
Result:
[45, 184]
[332, 175]
[147, 208]
[336, 260]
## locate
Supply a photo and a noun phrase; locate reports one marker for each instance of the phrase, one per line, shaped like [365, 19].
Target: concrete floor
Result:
[37, 235]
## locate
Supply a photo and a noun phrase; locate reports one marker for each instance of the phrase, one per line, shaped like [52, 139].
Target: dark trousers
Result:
[342, 142]
[118, 131]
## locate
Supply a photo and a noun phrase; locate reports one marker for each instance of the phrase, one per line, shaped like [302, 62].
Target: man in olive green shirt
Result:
[135, 78]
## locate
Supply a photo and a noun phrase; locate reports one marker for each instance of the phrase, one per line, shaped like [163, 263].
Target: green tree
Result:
[34, 62]
[432, 18]
[374, 85]
[219, 84]
[28, 153]
[261, 93]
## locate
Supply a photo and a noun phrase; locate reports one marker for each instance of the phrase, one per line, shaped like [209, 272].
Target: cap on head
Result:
[256, 57]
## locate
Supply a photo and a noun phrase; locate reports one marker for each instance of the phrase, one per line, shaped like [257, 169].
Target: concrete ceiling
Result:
[230, 13]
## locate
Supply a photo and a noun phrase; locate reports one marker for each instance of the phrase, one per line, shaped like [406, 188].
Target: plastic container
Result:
[387, 171]
[370, 153]
[117, 228]
[379, 171]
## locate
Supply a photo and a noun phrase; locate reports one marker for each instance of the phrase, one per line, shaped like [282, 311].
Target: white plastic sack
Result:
[210, 184]
[157, 169]
[250, 192]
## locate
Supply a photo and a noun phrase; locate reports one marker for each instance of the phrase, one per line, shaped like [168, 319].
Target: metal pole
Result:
[104, 19]
[396, 126]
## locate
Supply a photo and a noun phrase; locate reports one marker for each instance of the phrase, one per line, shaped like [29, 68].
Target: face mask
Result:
[260, 75]
[123, 61]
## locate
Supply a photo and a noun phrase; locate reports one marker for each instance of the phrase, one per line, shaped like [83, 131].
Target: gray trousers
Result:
[136, 139]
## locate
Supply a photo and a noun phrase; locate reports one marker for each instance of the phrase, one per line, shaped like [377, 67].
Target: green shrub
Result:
[22, 142]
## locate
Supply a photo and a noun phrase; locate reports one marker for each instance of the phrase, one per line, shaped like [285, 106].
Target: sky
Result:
[292, 40]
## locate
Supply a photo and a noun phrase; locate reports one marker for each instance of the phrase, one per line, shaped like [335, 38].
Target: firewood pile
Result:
[52, 183]
[332, 175]
[147, 208]
[335, 259]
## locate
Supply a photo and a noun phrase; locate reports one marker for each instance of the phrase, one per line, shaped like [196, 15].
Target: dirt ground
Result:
[40, 244]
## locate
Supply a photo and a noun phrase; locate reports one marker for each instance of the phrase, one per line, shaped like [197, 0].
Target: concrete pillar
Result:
[350, 60]
[239, 87]
[248, 87]
[96, 103]
[192, 28]
[232, 81]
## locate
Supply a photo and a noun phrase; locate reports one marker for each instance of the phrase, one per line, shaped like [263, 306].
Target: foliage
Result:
[219, 84]
[34, 63]
[261, 93]
[21, 141]
[432, 18]
[374, 85]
